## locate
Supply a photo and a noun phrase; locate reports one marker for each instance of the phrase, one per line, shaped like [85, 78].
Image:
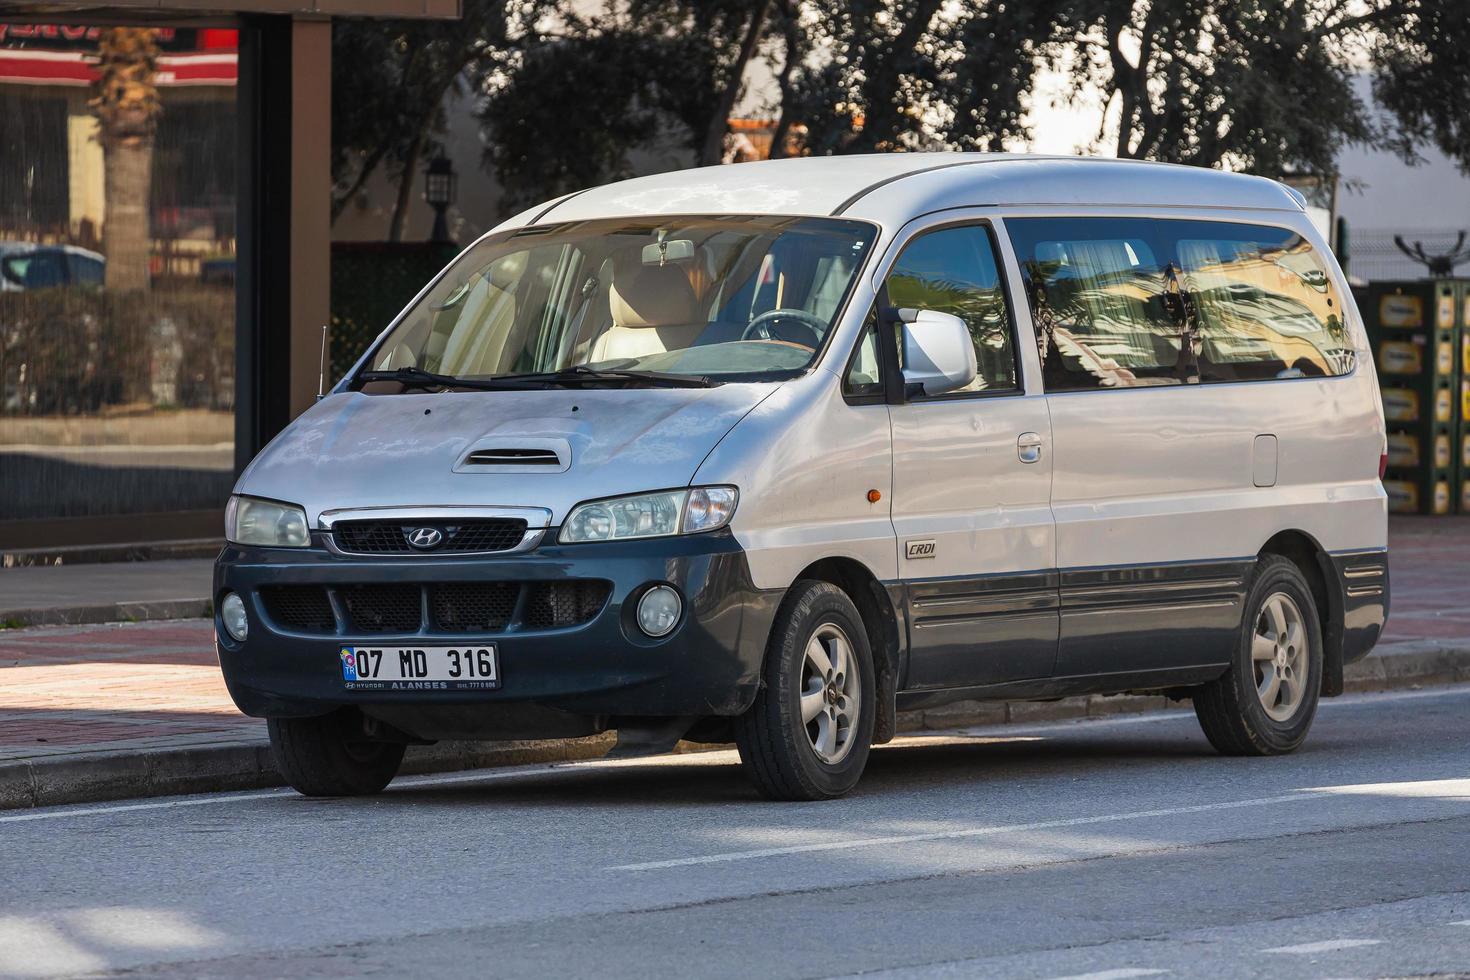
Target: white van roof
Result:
[893, 187]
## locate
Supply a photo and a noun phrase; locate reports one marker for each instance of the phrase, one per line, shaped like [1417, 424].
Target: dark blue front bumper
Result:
[605, 667]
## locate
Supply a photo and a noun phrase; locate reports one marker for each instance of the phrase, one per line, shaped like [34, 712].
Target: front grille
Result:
[472, 607]
[454, 607]
[553, 605]
[480, 534]
[383, 608]
[302, 608]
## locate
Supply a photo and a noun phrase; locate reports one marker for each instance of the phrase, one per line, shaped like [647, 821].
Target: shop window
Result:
[117, 250]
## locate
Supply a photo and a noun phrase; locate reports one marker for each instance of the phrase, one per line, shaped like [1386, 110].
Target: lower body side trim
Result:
[1150, 617]
[1052, 688]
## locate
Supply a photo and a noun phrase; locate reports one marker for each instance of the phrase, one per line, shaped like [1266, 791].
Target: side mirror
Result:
[938, 354]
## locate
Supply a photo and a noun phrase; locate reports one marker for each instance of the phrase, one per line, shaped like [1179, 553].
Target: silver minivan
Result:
[771, 453]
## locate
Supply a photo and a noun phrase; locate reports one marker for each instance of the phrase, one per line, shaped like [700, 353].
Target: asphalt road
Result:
[1109, 849]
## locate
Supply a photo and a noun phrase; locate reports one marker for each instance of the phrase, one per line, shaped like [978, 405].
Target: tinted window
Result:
[953, 270]
[36, 270]
[86, 271]
[1129, 302]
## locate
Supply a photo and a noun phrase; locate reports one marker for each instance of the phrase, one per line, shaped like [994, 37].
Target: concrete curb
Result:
[238, 765]
[116, 612]
[246, 764]
[93, 554]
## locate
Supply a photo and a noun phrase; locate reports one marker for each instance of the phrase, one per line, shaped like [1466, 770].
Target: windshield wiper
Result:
[653, 379]
[413, 377]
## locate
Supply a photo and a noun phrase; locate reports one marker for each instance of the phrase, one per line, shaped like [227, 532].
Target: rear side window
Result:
[1132, 302]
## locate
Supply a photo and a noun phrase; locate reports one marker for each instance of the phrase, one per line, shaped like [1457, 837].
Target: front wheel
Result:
[808, 733]
[1265, 702]
[332, 756]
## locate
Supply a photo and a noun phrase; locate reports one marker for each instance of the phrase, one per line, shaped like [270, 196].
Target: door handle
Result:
[1028, 447]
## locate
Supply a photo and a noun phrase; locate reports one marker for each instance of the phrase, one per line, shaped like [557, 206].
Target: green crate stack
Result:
[1462, 421]
[1413, 327]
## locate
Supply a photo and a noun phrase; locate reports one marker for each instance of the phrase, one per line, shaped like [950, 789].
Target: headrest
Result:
[652, 296]
[505, 272]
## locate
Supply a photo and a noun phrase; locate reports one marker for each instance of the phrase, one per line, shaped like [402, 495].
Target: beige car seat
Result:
[654, 309]
[483, 321]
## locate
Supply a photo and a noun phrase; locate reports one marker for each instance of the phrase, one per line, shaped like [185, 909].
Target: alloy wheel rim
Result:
[831, 694]
[1279, 656]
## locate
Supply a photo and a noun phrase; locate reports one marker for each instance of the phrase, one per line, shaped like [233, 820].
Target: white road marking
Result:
[1456, 790]
[91, 811]
[1175, 713]
[410, 782]
[1462, 922]
[1122, 973]
[1325, 946]
[1014, 828]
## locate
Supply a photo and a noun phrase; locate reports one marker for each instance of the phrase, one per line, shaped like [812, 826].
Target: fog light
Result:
[658, 610]
[232, 614]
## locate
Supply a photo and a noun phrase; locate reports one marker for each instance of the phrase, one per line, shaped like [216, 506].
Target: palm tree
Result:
[125, 101]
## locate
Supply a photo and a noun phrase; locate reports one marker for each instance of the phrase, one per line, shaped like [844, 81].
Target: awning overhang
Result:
[435, 9]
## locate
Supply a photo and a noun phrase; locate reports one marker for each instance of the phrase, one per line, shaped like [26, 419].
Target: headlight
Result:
[249, 520]
[651, 515]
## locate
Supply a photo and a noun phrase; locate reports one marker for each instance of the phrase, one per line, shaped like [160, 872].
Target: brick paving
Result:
[1429, 568]
[71, 689]
[123, 686]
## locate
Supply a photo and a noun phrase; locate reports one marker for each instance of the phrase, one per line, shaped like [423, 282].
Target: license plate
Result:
[419, 668]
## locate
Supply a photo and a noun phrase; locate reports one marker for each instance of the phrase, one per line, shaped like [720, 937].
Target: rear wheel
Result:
[1265, 703]
[808, 733]
[332, 755]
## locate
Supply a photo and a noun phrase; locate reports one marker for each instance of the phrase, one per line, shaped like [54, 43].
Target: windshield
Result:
[725, 298]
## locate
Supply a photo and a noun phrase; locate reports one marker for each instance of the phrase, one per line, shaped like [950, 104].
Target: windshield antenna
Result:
[321, 378]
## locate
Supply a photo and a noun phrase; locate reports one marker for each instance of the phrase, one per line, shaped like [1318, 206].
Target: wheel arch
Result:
[1313, 561]
[881, 620]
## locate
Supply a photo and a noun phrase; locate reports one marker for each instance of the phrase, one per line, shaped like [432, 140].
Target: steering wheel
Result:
[801, 328]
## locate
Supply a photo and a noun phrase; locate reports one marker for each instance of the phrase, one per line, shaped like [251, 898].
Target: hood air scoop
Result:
[513, 457]
[516, 454]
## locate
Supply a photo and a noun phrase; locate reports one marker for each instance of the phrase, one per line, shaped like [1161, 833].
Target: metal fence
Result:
[371, 283]
[1373, 255]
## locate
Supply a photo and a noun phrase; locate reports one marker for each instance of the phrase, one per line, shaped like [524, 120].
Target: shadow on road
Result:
[901, 768]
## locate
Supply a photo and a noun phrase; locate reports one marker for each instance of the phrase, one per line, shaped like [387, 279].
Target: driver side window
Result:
[954, 270]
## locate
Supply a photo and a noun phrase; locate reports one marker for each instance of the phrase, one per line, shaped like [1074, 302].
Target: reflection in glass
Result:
[953, 270]
[725, 297]
[117, 251]
[1122, 302]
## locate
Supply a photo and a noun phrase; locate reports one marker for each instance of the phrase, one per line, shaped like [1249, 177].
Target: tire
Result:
[1233, 710]
[823, 757]
[321, 756]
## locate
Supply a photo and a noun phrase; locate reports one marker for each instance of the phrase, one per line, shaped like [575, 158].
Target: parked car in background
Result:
[28, 266]
[770, 457]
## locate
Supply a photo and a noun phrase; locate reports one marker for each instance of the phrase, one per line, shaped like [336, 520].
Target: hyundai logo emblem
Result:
[424, 538]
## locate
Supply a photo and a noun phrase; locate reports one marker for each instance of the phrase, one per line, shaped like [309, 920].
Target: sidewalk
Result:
[91, 712]
[108, 592]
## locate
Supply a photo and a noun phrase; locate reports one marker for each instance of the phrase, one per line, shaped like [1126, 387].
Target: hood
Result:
[355, 450]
